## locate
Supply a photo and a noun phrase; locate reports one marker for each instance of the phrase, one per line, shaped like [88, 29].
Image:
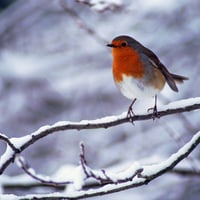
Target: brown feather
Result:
[179, 78]
[170, 78]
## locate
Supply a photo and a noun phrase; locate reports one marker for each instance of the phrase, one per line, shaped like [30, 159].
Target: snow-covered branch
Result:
[102, 5]
[104, 181]
[17, 145]
[135, 176]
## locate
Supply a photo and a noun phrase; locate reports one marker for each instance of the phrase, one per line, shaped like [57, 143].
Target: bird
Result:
[139, 73]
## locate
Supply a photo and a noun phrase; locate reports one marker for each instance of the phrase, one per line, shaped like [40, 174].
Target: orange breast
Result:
[126, 61]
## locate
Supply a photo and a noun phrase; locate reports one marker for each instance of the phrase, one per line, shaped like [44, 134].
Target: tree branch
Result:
[185, 172]
[101, 5]
[28, 185]
[8, 142]
[82, 24]
[41, 178]
[147, 174]
[22, 143]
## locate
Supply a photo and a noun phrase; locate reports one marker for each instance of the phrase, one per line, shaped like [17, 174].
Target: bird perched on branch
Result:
[138, 72]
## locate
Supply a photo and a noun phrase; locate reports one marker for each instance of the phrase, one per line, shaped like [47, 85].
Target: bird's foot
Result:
[155, 113]
[130, 114]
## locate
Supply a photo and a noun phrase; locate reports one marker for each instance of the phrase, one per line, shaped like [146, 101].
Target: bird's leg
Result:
[155, 111]
[130, 112]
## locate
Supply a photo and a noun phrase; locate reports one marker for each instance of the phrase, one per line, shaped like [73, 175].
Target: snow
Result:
[19, 142]
[173, 105]
[70, 173]
[22, 179]
[100, 5]
[60, 123]
[103, 120]
[78, 176]
[6, 155]
[152, 169]
[129, 171]
[8, 197]
[64, 173]
[181, 103]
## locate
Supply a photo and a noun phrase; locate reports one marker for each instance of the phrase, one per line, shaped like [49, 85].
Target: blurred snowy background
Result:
[54, 66]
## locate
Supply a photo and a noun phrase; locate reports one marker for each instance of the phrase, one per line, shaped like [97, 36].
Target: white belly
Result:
[136, 88]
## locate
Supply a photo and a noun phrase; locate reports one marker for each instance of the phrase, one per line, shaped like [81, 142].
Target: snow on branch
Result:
[17, 145]
[104, 180]
[102, 5]
[109, 182]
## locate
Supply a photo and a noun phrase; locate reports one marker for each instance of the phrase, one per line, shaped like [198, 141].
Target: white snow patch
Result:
[41, 129]
[180, 103]
[22, 179]
[78, 177]
[129, 171]
[100, 5]
[6, 156]
[19, 142]
[71, 173]
[62, 123]
[8, 197]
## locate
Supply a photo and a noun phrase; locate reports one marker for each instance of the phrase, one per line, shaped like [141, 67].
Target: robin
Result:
[138, 72]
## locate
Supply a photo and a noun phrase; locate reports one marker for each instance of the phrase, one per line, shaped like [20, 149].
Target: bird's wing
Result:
[154, 60]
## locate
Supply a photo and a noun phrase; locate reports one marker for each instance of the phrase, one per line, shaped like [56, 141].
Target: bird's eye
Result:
[124, 44]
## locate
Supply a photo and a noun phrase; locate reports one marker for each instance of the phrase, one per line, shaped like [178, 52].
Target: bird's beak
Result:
[111, 45]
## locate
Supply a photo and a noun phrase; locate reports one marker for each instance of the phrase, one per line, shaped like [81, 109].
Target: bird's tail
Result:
[179, 78]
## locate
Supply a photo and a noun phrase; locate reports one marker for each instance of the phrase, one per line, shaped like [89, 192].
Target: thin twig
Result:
[82, 24]
[25, 166]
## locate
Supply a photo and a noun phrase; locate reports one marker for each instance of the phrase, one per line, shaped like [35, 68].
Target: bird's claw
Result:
[155, 113]
[130, 114]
